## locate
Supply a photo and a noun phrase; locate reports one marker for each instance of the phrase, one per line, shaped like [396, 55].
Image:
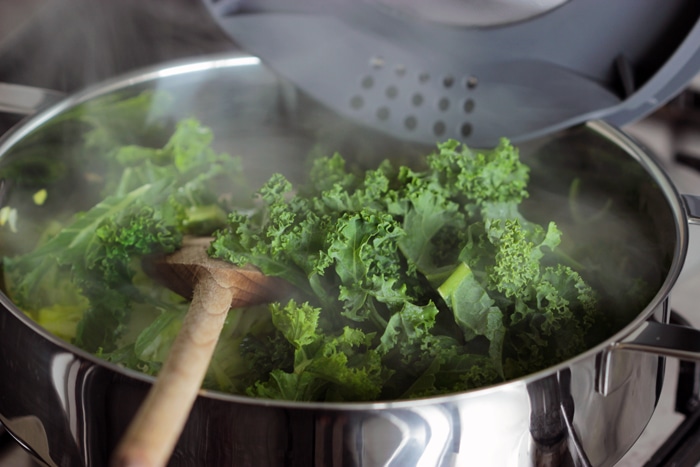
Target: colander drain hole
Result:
[392, 92]
[468, 106]
[439, 128]
[466, 129]
[377, 62]
[357, 102]
[410, 122]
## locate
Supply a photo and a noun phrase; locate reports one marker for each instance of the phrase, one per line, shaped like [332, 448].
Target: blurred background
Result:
[68, 44]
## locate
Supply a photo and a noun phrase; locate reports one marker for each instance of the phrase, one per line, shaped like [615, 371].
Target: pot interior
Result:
[621, 222]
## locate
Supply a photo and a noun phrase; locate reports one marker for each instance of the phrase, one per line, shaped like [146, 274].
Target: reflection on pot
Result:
[554, 439]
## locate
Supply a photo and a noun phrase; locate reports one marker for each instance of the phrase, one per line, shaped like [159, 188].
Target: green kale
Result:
[147, 199]
[409, 281]
[446, 285]
[325, 367]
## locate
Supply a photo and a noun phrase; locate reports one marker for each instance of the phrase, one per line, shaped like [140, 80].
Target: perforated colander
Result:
[426, 80]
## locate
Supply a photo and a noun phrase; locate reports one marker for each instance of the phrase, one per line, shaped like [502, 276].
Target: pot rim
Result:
[230, 60]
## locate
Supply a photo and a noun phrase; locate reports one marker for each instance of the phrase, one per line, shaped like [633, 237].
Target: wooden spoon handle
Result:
[152, 435]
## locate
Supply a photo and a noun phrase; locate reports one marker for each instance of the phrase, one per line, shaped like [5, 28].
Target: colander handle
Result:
[26, 100]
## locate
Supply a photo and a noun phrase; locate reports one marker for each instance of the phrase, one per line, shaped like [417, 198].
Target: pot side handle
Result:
[652, 337]
[669, 340]
[26, 100]
[692, 208]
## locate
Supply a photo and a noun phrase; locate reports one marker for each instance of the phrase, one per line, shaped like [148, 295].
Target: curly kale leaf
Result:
[152, 197]
[447, 284]
[326, 367]
[518, 300]
[480, 178]
[409, 281]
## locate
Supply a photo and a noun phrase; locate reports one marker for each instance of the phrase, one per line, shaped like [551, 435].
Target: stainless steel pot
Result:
[70, 408]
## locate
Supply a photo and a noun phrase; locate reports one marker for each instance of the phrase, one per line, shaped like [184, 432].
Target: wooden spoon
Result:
[215, 286]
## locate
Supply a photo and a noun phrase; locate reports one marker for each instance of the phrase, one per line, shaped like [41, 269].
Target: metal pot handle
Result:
[668, 340]
[26, 100]
[652, 337]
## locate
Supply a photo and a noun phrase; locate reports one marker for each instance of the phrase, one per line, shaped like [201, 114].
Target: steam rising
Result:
[68, 44]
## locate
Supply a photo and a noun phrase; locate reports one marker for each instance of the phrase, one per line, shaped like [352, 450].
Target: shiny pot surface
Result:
[70, 408]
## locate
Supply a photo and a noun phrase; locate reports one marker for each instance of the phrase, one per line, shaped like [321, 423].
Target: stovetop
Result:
[672, 133]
